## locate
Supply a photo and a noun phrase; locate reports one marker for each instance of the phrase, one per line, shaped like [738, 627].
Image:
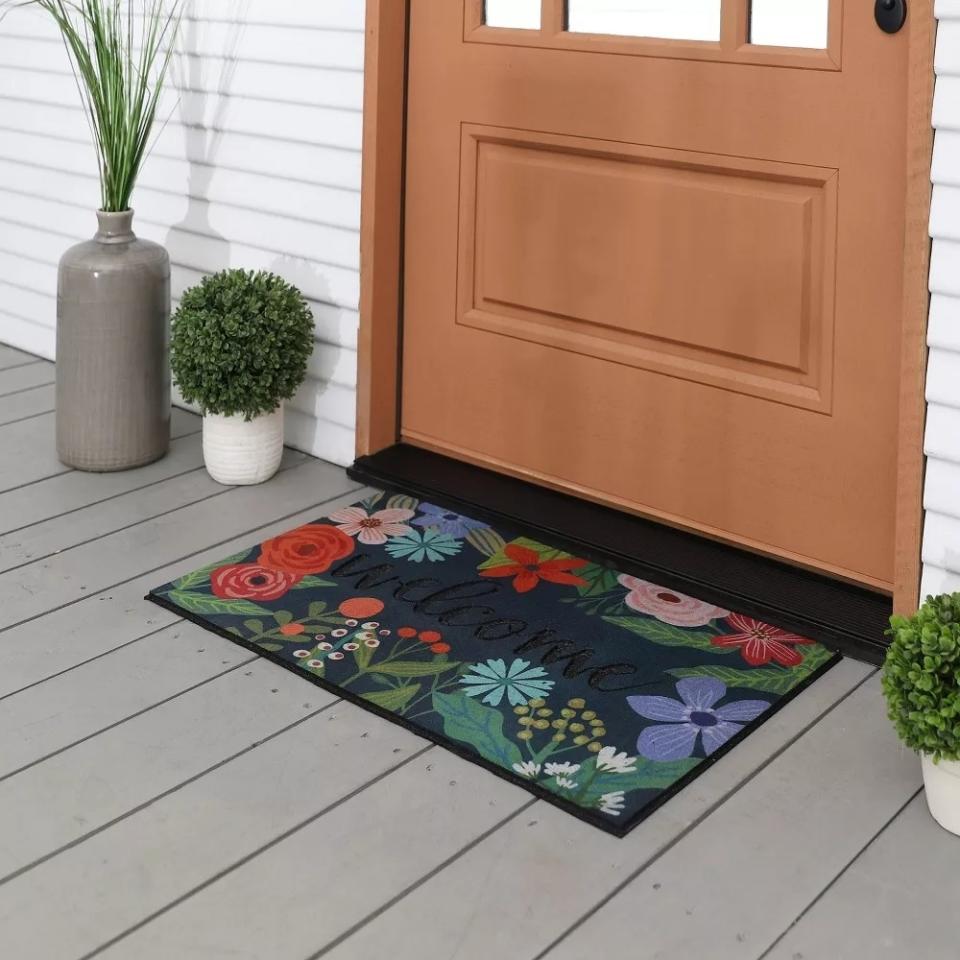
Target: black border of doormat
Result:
[841, 615]
[588, 816]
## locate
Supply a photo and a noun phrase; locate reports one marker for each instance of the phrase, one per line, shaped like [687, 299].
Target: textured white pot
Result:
[942, 782]
[240, 453]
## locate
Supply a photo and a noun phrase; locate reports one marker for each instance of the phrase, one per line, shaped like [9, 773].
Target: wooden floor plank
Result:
[333, 870]
[9, 357]
[729, 888]
[116, 878]
[75, 705]
[70, 576]
[573, 864]
[25, 378]
[26, 404]
[69, 636]
[183, 423]
[30, 449]
[75, 490]
[897, 900]
[80, 790]
[42, 540]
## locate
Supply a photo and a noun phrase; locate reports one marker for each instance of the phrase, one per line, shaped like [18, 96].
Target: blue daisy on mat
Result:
[519, 682]
[446, 521]
[420, 545]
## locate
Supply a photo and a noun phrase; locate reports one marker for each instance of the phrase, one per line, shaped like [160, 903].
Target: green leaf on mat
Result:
[203, 604]
[487, 541]
[202, 576]
[363, 655]
[394, 699]
[600, 580]
[765, 679]
[543, 552]
[667, 635]
[815, 657]
[774, 680]
[413, 668]
[312, 581]
[400, 502]
[466, 720]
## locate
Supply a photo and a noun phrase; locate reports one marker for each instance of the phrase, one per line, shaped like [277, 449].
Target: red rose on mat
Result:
[760, 643]
[528, 570]
[250, 581]
[309, 549]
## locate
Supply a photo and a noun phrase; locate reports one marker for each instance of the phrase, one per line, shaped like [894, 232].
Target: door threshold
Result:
[844, 616]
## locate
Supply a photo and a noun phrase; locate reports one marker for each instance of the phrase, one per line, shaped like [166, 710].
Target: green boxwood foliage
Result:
[240, 343]
[921, 677]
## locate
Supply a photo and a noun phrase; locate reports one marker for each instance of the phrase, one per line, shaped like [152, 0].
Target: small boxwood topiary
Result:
[921, 677]
[240, 343]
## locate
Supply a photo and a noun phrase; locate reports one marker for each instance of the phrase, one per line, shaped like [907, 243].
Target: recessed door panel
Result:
[616, 257]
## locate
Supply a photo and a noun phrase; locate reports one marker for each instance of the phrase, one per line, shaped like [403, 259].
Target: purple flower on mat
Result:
[446, 521]
[694, 715]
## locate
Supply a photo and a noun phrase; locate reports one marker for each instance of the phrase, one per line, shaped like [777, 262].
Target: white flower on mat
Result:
[612, 803]
[527, 769]
[609, 761]
[566, 784]
[561, 769]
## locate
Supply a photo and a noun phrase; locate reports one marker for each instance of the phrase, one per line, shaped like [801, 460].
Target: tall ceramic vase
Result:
[113, 379]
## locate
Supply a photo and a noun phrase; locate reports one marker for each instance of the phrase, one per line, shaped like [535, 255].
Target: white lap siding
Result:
[941, 541]
[258, 166]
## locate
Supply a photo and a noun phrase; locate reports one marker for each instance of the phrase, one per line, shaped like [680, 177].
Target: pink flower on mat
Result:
[668, 606]
[373, 528]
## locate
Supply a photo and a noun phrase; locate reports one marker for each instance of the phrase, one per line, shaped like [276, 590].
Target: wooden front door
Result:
[663, 269]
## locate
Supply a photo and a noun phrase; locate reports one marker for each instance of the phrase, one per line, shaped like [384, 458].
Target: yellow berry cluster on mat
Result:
[575, 723]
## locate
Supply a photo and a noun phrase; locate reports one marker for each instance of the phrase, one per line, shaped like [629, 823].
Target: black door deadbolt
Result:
[891, 15]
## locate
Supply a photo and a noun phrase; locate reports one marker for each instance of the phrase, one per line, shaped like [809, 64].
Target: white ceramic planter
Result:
[942, 783]
[240, 453]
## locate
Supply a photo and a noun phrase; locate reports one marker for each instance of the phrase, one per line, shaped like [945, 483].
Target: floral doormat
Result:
[595, 690]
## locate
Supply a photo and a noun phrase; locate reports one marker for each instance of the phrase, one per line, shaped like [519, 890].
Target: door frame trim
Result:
[381, 224]
[911, 462]
[381, 258]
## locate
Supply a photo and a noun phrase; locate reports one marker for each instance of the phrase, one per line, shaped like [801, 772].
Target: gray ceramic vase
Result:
[113, 373]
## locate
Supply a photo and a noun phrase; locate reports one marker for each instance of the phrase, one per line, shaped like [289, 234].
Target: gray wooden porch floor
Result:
[164, 794]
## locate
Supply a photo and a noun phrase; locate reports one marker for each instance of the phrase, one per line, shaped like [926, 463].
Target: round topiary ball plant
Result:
[921, 678]
[240, 343]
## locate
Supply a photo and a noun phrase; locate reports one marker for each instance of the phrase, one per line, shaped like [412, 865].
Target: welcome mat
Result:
[597, 691]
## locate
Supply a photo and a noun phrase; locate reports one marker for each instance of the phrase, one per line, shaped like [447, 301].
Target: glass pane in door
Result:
[664, 19]
[519, 14]
[801, 23]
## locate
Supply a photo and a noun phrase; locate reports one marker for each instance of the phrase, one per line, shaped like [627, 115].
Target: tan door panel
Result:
[660, 274]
